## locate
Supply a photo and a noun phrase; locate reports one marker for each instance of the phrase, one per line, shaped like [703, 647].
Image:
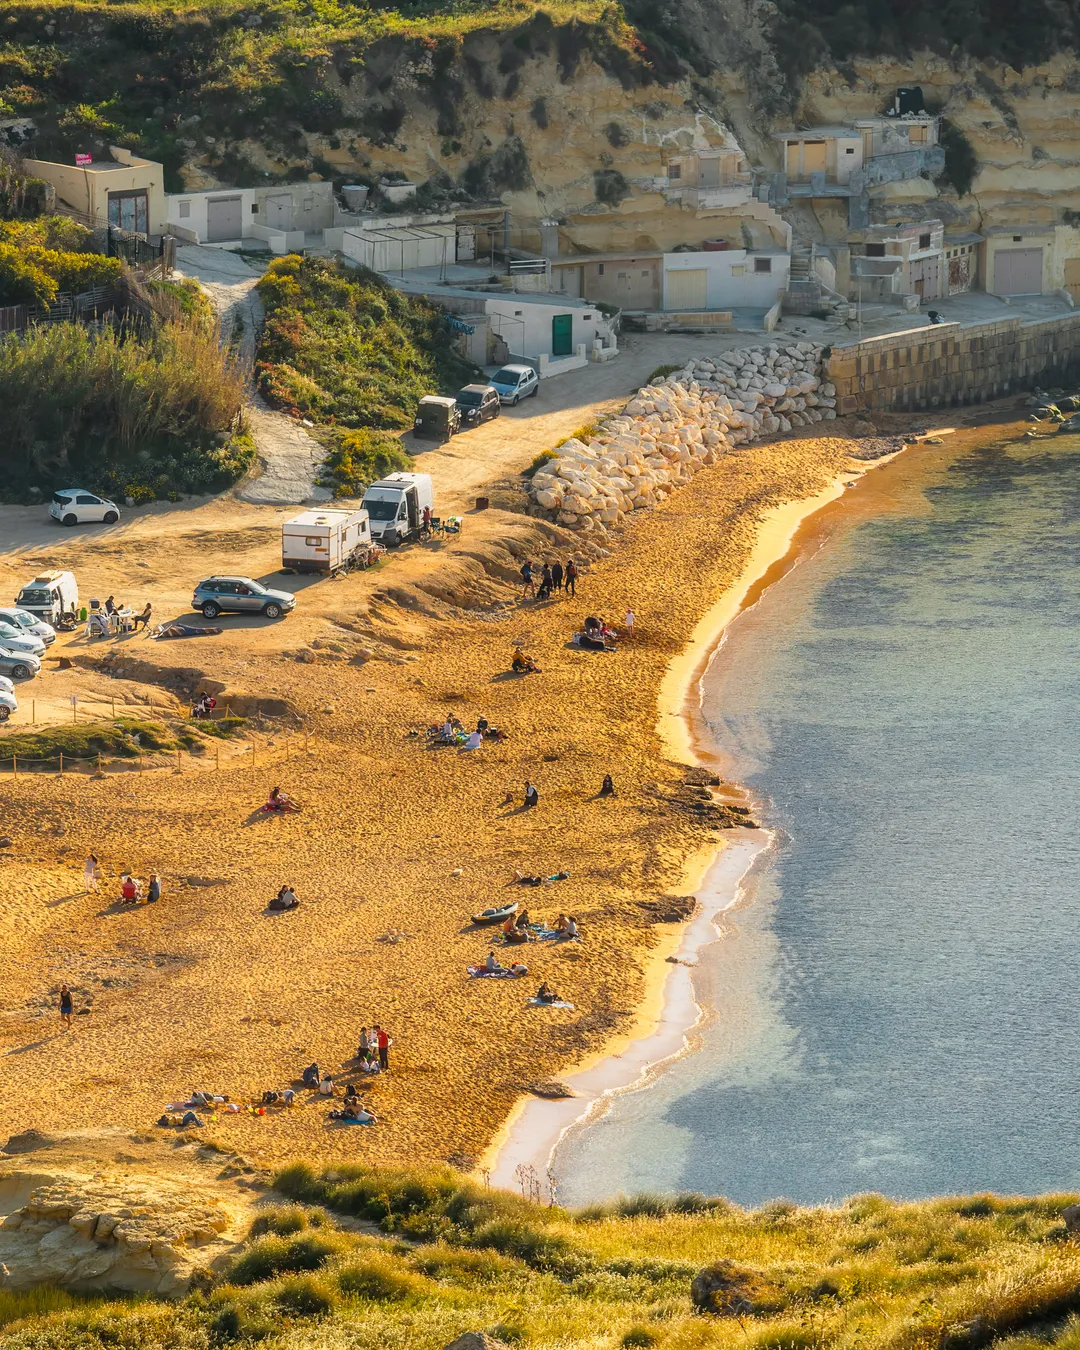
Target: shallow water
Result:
[896, 1005]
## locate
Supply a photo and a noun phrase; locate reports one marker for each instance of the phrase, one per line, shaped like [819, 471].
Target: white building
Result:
[714, 280]
[280, 215]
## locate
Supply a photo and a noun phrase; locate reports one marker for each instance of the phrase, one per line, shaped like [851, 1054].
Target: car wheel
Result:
[110, 517]
[514, 401]
[536, 389]
[5, 712]
[210, 610]
[71, 519]
[272, 610]
[20, 672]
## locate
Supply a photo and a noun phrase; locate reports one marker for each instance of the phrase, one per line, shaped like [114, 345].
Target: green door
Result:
[562, 335]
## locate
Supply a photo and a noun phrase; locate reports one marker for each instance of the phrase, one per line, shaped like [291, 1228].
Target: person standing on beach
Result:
[556, 576]
[528, 588]
[629, 622]
[66, 1007]
[91, 874]
[382, 1040]
[363, 1045]
[570, 577]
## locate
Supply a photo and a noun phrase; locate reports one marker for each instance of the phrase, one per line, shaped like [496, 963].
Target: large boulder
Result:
[476, 1340]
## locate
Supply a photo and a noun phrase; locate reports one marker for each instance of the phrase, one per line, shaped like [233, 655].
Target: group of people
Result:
[373, 1049]
[598, 636]
[493, 966]
[113, 618]
[522, 664]
[285, 899]
[515, 929]
[552, 577]
[131, 889]
[452, 732]
[204, 705]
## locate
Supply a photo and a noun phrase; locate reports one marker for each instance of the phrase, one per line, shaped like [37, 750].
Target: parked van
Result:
[52, 597]
[396, 506]
[319, 541]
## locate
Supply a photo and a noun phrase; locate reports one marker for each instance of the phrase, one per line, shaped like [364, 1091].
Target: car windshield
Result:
[35, 595]
[507, 376]
[381, 509]
[468, 398]
[18, 619]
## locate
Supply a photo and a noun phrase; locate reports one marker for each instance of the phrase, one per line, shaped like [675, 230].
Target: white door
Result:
[1018, 271]
[279, 211]
[224, 219]
[686, 289]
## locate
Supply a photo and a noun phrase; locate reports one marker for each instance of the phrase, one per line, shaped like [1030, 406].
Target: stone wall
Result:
[950, 364]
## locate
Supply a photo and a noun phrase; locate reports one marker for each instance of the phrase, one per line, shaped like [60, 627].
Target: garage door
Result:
[926, 278]
[1018, 271]
[224, 219]
[686, 290]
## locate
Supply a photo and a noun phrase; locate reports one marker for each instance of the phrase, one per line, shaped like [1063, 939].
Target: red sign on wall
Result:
[82, 160]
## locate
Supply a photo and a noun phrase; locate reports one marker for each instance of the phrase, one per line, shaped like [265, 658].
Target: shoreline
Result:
[669, 1012]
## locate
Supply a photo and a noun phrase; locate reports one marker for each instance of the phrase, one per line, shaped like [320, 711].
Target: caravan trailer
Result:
[320, 541]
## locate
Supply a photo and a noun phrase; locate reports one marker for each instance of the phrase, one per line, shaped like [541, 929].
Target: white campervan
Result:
[396, 506]
[319, 541]
[50, 597]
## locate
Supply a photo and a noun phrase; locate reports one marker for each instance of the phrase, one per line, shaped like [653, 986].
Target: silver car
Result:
[240, 595]
[29, 623]
[20, 640]
[18, 665]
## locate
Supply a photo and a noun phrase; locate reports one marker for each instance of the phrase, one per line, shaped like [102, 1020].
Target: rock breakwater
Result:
[678, 424]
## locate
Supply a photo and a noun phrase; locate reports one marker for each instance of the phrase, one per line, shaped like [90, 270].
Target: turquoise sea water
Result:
[896, 1001]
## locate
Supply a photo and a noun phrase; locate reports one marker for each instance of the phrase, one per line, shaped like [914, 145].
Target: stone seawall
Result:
[951, 364]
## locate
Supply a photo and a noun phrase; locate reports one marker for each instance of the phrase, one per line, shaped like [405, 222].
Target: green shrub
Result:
[538, 462]
[271, 1255]
[462, 1266]
[114, 408]
[610, 186]
[661, 371]
[342, 345]
[639, 1336]
[359, 458]
[304, 1296]
[961, 161]
[282, 1220]
[378, 1278]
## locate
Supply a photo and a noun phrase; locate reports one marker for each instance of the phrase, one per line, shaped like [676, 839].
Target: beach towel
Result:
[343, 1119]
[184, 630]
[550, 1003]
[479, 973]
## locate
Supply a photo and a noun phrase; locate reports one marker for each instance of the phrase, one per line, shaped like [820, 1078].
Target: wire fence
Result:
[174, 759]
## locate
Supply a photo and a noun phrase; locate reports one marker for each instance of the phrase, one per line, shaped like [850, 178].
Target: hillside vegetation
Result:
[939, 1275]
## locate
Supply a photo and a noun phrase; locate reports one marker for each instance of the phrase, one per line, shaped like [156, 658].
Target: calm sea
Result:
[897, 999]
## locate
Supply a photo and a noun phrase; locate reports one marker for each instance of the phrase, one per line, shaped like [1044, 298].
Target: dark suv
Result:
[241, 595]
[478, 403]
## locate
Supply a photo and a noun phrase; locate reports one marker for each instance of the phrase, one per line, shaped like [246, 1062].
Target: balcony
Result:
[904, 164]
[732, 190]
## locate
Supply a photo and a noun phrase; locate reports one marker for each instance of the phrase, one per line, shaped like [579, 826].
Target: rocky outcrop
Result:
[678, 425]
[476, 1340]
[89, 1235]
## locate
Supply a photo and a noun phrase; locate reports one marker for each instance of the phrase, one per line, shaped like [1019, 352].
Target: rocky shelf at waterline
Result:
[676, 425]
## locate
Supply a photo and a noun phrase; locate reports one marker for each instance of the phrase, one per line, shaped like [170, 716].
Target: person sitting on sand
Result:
[284, 900]
[508, 926]
[522, 920]
[371, 1064]
[545, 994]
[326, 1086]
[311, 1076]
[607, 787]
[522, 664]
[491, 965]
[130, 889]
[571, 926]
[154, 892]
[532, 797]
[474, 740]
[280, 801]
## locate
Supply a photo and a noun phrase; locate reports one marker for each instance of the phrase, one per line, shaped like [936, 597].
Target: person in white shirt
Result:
[92, 874]
[326, 1086]
[629, 622]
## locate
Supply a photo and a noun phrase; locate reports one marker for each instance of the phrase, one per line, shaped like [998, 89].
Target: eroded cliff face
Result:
[590, 148]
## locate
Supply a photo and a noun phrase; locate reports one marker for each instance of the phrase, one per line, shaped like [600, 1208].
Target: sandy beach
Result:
[398, 842]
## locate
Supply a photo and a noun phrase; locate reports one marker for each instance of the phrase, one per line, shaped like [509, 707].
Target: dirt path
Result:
[290, 458]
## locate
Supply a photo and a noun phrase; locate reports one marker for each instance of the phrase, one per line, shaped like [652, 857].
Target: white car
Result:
[76, 506]
[18, 640]
[8, 702]
[29, 623]
[18, 665]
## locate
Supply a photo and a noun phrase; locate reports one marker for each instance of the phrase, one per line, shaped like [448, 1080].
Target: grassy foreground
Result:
[946, 1273]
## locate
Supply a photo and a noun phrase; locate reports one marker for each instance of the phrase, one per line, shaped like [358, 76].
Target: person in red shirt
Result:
[382, 1040]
